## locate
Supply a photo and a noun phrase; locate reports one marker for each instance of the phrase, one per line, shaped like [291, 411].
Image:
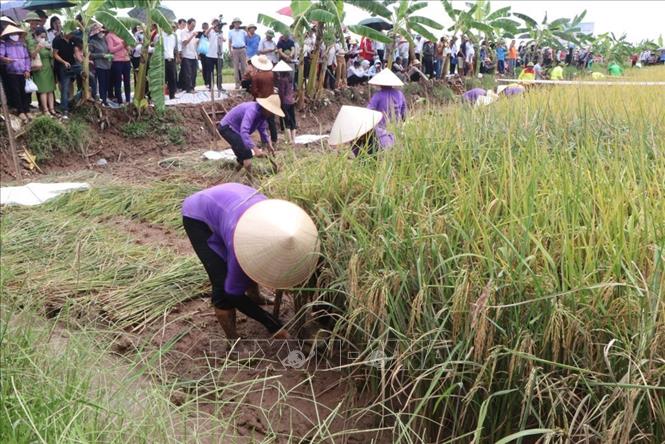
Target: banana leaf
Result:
[156, 75]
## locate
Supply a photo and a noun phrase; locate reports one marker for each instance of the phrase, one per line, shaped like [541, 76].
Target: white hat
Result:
[272, 104]
[352, 122]
[11, 29]
[386, 78]
[276, 243]
[261, 62]
[6, 19]
[282, 66]
[500, 88]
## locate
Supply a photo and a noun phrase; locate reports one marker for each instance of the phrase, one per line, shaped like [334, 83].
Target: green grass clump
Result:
[46, 137]
[509, 261]
[135, 130]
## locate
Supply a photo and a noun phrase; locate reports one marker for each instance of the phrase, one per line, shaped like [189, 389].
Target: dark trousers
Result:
[453, 65]
[428, 66]
[330, 78]
[199, 233]
[354, 80]
[103, 76]
[204, 69]
[120, 73]
[237, 145]
[308, 63]
[214, 71]
[170, 77]
[189, 66]
[272, 126]
[16, 96]
[381, 53]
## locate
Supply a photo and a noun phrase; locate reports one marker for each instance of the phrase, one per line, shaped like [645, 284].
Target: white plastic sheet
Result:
[309, 138]
[226, 155]
[37, 193]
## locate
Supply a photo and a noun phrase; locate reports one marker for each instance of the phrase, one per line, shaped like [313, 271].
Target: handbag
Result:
[36, 63]
[30, 86]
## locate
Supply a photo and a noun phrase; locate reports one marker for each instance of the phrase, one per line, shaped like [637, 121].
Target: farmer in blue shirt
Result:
[501, 57]
[252, 40]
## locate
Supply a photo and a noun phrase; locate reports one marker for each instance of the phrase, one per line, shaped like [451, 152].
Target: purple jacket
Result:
[17, 51]
[513, 90]
[390, 102]
[220, 207]
[473, 94]
[246, 118]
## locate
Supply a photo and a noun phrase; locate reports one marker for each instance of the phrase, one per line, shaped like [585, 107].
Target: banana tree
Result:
[613, 49]
[400, 13]
[552, 33]
[479, 22]
[154, 16]
[326, 14]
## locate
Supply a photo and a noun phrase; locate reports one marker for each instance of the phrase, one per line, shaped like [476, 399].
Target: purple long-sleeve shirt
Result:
[473, 94]
[220, 207]
[390, 102]
[513, 90]
[246, 118]
[17, 51]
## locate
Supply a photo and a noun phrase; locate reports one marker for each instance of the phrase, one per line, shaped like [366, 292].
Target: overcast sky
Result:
[638, 19]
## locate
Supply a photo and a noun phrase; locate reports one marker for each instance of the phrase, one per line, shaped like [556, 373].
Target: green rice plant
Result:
[509, 263]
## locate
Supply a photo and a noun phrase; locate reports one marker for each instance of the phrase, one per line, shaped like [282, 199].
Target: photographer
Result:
[215, 50]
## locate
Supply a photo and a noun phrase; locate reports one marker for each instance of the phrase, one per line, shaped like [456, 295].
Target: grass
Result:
[46, 137]
[508, 262]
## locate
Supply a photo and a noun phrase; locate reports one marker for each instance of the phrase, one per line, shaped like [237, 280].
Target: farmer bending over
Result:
[360, 128]
[388, 100]
[244, 239]
[237, 126]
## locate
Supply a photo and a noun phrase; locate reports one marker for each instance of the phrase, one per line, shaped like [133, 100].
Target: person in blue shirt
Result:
[501, 57]
[252, 41]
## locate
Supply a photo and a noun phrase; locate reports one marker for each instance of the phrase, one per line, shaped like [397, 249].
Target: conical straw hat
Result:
[351, 123]
[500, 88]
[272, 104]
[11, 29]
[6, 19]
[386, 78]
[282, 66]
[261, 62]
[276, 244]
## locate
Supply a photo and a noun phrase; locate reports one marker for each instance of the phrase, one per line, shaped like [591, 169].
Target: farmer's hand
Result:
[258, 152]
[271, 149]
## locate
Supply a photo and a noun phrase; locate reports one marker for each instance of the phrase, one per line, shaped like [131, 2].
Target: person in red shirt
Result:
[367, 49]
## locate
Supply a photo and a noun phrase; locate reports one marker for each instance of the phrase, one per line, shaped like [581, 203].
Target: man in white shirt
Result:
[419, 47]
[268, 47]
[182, 26]
[468, 60]
[170, 43]
[215, 52]
[189, 56]
[238, 50]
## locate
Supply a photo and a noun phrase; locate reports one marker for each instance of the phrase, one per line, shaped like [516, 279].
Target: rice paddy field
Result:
[499, 277]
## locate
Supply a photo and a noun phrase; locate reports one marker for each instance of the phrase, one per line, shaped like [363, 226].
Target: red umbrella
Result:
[286, 10]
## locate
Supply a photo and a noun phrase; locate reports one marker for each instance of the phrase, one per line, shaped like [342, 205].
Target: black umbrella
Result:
[140, 14]
[376, 23]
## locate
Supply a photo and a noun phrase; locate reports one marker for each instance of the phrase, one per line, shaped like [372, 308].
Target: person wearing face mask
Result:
[44, 77]
[16, 58]
[55, 29]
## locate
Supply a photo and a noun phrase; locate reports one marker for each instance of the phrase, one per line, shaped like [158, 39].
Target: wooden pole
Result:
[10, 131]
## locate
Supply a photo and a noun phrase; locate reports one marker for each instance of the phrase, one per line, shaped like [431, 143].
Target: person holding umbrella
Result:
[244, 240]
[242, 120]
[238, 49]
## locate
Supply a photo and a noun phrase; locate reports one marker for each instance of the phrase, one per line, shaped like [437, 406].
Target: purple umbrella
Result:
[14, 10]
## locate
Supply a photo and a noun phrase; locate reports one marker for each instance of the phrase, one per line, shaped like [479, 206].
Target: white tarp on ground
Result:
[200, 95]
[37, 193]
[226, 155]
[309, 138]
[486, 100]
